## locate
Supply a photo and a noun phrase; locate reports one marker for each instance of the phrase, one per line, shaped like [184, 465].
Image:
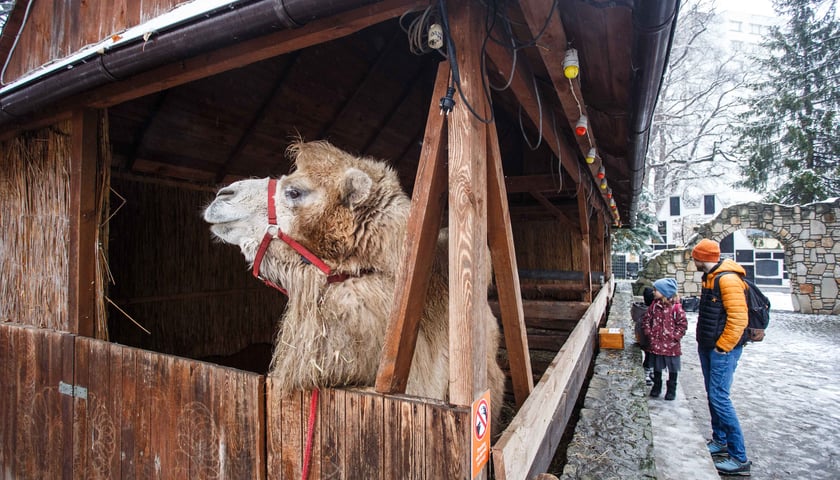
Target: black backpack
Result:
[758, 309]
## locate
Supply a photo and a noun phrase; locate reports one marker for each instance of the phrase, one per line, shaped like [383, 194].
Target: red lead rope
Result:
[313, 259]
[269, 236]
[307, 454]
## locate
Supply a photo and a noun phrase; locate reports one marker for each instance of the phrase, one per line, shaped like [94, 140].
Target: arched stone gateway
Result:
[811, 238]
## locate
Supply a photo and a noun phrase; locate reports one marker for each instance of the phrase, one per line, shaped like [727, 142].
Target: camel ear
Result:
[357, 185]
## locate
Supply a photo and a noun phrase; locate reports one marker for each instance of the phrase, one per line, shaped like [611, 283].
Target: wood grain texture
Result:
[503, 253]
[83, 227]
[467, 214]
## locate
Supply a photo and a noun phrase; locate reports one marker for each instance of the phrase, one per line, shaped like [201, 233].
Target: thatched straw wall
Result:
[34, 224]
[546, 245]
[196, 296]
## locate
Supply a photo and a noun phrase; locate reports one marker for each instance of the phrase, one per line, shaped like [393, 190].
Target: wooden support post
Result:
[553, 37]
[586, 261]
[502, 251]
[82, 211]
[421, 237]
[467, 211]
[599, 247]
[607, 249]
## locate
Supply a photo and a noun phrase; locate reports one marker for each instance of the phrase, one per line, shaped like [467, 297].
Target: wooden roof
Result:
[210, 120]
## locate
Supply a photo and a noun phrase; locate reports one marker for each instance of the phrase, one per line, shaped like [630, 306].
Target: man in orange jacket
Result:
[721, 325]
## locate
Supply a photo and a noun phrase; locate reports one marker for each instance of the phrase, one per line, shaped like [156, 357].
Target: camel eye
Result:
[294, 194]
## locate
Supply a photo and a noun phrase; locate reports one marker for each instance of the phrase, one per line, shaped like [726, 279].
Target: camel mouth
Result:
[220, 231]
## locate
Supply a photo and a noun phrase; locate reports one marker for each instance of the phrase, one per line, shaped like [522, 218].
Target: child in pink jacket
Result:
[664, 324]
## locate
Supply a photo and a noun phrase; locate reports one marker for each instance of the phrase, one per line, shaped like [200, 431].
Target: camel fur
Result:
[352, 213]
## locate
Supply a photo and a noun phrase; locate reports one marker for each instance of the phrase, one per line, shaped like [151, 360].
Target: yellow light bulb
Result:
[590, 157]
[571, 65]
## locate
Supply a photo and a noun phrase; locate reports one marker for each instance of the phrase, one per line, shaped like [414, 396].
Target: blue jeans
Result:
[718, 371]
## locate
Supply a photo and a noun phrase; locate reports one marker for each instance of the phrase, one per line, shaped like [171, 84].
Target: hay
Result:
[34, 198]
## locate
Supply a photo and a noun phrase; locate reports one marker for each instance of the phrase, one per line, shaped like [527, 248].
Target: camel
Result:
[351, 213]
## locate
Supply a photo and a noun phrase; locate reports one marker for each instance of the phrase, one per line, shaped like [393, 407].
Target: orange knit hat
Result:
[706, 251]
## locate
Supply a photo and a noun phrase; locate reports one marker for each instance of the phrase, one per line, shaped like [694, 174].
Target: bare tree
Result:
[691, 131]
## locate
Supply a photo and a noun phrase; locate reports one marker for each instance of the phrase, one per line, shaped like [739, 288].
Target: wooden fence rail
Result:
[75, 407]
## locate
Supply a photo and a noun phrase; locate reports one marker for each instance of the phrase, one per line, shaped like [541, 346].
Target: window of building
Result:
[708, 204]
[663, 231]
[675, 206]
[727, 245]
[735, 26]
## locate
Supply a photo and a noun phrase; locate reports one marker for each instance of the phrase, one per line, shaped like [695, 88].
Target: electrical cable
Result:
[539, 107]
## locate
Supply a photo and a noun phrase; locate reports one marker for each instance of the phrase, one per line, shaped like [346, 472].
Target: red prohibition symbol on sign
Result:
[481, 419]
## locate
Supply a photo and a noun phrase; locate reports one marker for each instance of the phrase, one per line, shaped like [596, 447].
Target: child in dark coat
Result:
[664, 324]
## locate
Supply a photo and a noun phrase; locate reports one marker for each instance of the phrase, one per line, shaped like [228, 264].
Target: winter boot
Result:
[671, 393]
[657, 384]
[648, 376]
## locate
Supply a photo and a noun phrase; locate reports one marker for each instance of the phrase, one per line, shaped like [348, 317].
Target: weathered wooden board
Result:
[363, 434]
[150, 415]
[36, 429]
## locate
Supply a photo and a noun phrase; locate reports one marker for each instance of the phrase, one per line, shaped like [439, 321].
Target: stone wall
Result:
[809, 233]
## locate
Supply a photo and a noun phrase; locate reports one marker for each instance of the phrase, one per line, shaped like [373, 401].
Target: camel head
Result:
[329, 204]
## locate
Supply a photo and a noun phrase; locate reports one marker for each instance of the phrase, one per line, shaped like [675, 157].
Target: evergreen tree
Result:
[790, 138]
[637, 239]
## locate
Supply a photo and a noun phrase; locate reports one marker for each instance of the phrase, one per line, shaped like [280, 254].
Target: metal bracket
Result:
[72, 390]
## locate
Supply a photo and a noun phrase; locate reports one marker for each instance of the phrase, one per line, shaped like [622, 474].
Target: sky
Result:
[760, 7]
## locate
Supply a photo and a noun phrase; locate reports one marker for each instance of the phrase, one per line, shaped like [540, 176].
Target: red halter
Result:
[272, 231]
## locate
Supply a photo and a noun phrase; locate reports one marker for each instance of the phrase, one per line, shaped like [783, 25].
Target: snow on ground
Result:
[786, 392]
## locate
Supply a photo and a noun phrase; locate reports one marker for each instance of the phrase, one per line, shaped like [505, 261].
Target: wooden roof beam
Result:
[257, 118]
[553, 43]
[536, 183]
[552, 208]
[524, 88]
[246, 53]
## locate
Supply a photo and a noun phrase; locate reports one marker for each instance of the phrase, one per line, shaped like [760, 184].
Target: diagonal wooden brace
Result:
[424, 220]
[500, 238]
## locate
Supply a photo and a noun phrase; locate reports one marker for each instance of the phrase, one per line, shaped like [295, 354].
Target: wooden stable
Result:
[119, 120]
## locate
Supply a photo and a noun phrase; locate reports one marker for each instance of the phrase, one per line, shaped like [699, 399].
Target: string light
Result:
[571, 64]
[601, 173]
[590, 157]
[582, 126]
[603, 184]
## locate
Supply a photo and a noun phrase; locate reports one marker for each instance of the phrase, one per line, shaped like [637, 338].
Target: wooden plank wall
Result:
[548, 324]
[36, 420]
[75, 407]
[362, 434]
[55, 30]
[148, 414]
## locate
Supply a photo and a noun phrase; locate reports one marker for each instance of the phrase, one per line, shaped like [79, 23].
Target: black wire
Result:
[456, 75]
